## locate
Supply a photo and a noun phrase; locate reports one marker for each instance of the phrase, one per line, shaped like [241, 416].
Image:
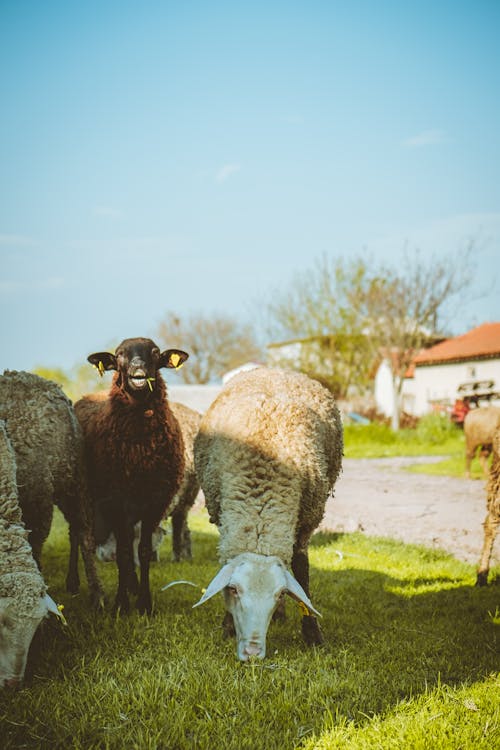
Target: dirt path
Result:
[378, 497]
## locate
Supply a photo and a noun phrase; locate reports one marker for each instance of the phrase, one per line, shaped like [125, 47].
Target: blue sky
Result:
[196, 156]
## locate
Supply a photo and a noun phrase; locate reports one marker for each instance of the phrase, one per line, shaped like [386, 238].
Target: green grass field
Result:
[411, 660]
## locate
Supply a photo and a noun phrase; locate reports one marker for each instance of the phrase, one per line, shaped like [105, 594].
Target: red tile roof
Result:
[482, 342]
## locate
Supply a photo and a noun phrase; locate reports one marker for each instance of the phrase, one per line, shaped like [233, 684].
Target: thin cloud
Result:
[425, 138]
[225, 172]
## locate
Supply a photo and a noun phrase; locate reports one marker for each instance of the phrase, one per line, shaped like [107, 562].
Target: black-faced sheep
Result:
[268, 453]
[48, 444]
[479, 427]
[189, 422]
[492, 520]
[135, 456]
[24, 601]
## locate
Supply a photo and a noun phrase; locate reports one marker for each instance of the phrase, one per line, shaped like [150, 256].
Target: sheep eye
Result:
[233, 591]
[156, 352]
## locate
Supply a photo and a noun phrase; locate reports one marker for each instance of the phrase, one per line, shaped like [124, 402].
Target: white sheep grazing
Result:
[24, 601]
[267, 454]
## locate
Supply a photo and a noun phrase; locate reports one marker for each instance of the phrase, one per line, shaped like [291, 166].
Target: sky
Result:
[195, 157]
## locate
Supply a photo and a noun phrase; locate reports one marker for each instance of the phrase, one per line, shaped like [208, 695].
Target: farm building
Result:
[466, 366]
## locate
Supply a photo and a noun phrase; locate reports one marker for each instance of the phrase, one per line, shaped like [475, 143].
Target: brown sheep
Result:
[492, 520]
[135, 456]
[189, 422]
[479, 427]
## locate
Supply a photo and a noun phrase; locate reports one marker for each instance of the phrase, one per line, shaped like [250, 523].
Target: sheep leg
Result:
[73, 579]
[124, 533]
[144, 604]
[94, 584]
[300, 567]
[181, 537]
[469, 455]
[491, 523]
[484, 454]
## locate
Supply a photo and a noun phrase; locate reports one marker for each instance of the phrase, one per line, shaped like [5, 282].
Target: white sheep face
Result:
[16, 633]
[253, 586]
[251, 596]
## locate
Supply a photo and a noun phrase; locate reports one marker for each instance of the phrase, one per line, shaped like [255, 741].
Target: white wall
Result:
[440, 382]
[198, 397]
[384, 391]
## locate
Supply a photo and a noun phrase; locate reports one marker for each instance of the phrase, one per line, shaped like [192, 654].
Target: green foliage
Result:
[436, 429]
[434, 435]
[80, 380]
[411, 660]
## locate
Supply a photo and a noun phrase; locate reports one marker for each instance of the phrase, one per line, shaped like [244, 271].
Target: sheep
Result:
[492, 520]
[267, 454]
[189, 421]
[48, 444]
[134, 454]
[24, 601]
[106, 552]
[479, 426]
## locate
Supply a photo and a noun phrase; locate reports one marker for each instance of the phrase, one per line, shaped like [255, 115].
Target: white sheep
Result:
[24, 601]
[268, 453]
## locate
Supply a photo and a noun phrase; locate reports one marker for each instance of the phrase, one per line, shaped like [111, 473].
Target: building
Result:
[467, 365]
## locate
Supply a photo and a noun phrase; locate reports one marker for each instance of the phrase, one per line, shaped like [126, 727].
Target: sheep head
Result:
[253, 585]
[20, 615]
[137, 362]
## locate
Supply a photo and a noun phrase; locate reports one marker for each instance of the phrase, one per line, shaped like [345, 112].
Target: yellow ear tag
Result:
[303, 609]
[60, 607]
[175, 359]
[100, 368]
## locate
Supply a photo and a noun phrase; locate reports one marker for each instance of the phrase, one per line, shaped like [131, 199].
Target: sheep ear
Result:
[217, 584]
[103, 361]
[295, 590]
[52, 607]
[172, 358]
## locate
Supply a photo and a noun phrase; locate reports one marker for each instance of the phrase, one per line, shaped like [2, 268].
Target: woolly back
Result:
[19, 574]
[43, 430]
[268, 453]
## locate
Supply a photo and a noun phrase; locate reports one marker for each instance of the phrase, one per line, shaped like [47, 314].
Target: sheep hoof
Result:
[144, 605]
[121, 606]
[311, 631]
[482, 579]
[97, 601]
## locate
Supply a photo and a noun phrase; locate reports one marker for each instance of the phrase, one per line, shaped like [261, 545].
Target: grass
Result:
[435, 435]
[411, 660]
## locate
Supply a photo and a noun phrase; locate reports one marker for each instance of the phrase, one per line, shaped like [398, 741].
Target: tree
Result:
[366, 310]
[215, 344]
[317, 310]
[407, 307]
[81, 379]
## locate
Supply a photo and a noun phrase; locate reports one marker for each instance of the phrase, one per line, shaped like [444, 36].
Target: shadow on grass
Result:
[387, 638]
